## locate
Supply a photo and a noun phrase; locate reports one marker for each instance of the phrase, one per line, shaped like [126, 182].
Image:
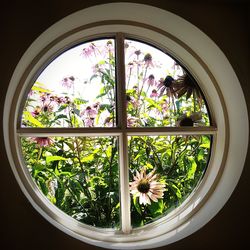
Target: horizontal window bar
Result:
[116, 131]
[172, 131]
[68, 131]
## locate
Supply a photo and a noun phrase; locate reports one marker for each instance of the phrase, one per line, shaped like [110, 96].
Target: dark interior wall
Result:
[226, 22]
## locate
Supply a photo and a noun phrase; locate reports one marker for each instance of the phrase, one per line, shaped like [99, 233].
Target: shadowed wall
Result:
[226, 22]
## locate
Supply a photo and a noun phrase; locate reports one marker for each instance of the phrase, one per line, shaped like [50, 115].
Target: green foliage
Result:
[80, 175]
[180, 163]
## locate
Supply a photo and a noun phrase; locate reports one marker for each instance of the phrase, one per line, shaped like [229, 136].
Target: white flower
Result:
[146, 187]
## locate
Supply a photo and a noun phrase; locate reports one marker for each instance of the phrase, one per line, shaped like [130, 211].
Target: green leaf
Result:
[205, 142]
[28, 116]
[200, 156]
[205, 145]
[62, 107]
[43, 186]
[80, 101]
[59, 195]
[176, 190]
[38, 86]
[102, 62]
[93, 77]
[109, 151]
[76, 187]
[149, 166]
[156, 208]
[153, 103]
[137, 156]
[59, 117]
[192, 168]
[136, 204]
[41, 89]
[54, 158]
[88, 158]
[38, 167]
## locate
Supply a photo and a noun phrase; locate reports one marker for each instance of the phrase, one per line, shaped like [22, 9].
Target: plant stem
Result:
[40, 153]
[85, 190]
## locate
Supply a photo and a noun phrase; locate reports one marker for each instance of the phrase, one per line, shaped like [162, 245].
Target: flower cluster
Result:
[89, 114]
[48, 103]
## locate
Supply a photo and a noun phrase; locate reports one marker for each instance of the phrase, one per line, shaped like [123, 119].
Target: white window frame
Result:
[216, 79]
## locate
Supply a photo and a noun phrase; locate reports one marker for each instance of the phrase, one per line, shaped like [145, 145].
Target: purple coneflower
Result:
[146, 187]
[151, 80]
[154, 93]
[148, 60]
[185, 84]
[138, 52]
[68, 82]
[90, 112]
[108, 122]
[89, 122]
[43, 141]
[89, 51]
[168, 84]
[36, 111]
[131, 121]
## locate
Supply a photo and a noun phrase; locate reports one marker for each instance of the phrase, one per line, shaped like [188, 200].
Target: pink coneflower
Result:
[146, 187]
[148, 60]
[48, 108]
[131, 121]
[66, 100]
[89, 122]
[31, 92]
[43, 141]
[36, 111]
[164, 106]
[132, 101]
[96, 68]
[89, 51]
[44, 97]
[185, 84]
[108, 122]
[68, 82]
[59, 100]
[154, 93]
[130, 65]
[110, 46]
[167, 85]
[90, 112]
[138, 52]
[151, 80]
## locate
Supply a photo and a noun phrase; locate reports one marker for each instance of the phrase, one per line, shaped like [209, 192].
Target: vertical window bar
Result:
[124, 184]
[123, 141]
[120, 83]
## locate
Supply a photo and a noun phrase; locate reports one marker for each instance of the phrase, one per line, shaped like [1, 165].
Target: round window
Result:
[118, 131]
[80, 174]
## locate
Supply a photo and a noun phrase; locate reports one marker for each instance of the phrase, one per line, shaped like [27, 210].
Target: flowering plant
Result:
[80, 174]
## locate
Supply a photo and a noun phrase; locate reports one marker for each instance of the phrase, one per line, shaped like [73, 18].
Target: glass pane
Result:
[79, 175]
[164, 170]
[159, 91]
[77, 89]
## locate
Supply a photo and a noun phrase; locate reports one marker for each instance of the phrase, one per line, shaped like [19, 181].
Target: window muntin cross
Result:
[123, 127]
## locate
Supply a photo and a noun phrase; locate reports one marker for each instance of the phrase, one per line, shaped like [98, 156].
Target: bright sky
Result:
[72, 63]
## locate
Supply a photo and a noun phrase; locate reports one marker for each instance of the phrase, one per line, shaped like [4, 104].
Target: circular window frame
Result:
[201, 57]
